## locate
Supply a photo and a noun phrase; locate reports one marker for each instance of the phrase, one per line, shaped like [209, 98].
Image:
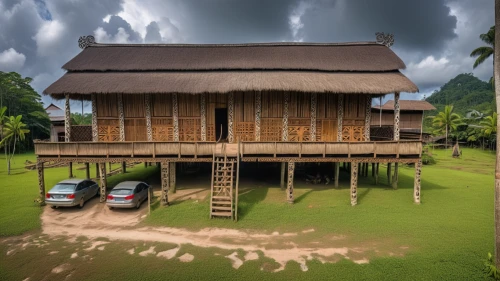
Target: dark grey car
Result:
[128, 194]
[73, 192]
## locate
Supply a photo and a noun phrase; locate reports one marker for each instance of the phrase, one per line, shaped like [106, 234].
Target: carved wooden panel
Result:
[353, 133]
[271, 129]
[67, 120]
[189, 129]
[210, 132]
[95, 134]
[245, 131]
[162, 129]
[299, 129]
[108, 130]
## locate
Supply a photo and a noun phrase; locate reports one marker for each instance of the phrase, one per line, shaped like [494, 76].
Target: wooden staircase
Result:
[224, 189]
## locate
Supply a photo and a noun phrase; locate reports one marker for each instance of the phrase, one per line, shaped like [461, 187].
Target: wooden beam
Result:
[95, 129]
[67, 119]
[149, 129]
[230, 117]
[376, 172]
[416, 184]
[258, 112]
[289, 187]
[354, 183]
[165, 182]
[312, 132]
[389, 173]
[121, 117]
[41, 181]
[395, 178]
[396, 116]
[340, 111]
[102, 175]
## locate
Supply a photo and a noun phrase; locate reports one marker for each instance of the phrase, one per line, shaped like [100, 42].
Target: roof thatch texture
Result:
[407, 105]
[196, 82]
[275, 56]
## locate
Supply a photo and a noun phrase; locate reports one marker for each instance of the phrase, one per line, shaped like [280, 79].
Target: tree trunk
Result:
[496, 72]
[446, 138]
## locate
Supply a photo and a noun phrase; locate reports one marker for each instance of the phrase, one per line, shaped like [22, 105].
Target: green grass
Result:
[448, 235]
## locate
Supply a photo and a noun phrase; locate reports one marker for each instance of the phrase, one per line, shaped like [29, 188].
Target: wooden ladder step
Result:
[225, 198]
[222, 214]
[221, 208]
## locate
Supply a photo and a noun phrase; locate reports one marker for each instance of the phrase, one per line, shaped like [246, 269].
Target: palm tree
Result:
[446, 121]
[484, 52]
[489, 124]
[14, 130]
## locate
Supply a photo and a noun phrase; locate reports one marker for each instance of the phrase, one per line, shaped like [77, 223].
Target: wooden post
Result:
[354, 184]
[67, 119]
[230, 117]
[258, 111]
[340, 111]
[121, 117]
[389, 173]
[149, 129]
[366, 169]
[368, 117]
[102, 174]
[337, 174]
[203, 117]
[97, 170]
[110, 167]
[416, 184]
[376, 173]
[172, 176]
[282, 181]
[165, 182]
[175, 116]
[289, 186]
[395, 177]
[41, 182]
[70, 170]
[284, 132]
[313, 117]
[124, 167]
[95, 132]
[373, 170]
[87, 170]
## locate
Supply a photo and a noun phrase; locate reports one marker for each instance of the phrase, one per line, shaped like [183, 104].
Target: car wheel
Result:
[81, 204]
[53, 207]
[138, 205]
[111, 208]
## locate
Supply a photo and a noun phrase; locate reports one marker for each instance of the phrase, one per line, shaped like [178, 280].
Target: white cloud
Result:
[11, 60]
[120, 37]
[47, 38]
[432, 71]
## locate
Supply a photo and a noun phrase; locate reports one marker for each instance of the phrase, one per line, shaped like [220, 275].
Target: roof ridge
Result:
[264, 44]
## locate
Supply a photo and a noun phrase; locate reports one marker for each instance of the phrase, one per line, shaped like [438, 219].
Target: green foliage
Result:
[489, 125]
[14, 130]
[490, 269]
[428, 159]
[79, 119]
[484, 52]
[21, 99]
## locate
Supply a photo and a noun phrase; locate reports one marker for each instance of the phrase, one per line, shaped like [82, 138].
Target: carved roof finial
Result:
[85, 41]
[385, 39]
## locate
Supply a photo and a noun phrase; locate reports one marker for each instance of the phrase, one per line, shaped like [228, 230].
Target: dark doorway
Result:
[221, 124]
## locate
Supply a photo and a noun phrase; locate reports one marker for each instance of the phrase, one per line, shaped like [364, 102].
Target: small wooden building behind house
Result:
[224, 104]
[56, 116]
[410, 123]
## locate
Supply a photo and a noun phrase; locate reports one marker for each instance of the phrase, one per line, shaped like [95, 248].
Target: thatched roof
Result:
[349, 68]
[407, 105]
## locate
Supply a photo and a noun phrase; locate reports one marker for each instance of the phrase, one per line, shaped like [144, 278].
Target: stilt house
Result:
[224, 104]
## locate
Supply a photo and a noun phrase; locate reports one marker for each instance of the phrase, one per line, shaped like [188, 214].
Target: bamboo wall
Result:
[244, 116]
[408, 119]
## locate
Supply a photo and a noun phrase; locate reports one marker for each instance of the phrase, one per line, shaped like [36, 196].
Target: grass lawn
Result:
[447, 236]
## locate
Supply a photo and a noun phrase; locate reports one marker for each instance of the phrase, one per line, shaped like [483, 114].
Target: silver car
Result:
[128, 194]
[73, 192]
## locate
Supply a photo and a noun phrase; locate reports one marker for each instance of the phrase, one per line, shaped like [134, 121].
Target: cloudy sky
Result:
[433, 37]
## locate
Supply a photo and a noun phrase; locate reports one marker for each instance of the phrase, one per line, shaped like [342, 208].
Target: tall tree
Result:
[489, 125]
[446, 121]
[14, 130]
[496, 73]
[484, 52]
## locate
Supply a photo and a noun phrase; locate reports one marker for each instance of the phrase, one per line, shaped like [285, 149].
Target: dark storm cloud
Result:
[228, 21]
[420, 26]
[152, 33]
[116, 22]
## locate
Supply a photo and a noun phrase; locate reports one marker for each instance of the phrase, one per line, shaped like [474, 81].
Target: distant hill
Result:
[465, 92]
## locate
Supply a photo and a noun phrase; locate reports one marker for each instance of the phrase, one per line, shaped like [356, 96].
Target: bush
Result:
[428, 159]
[490, 269]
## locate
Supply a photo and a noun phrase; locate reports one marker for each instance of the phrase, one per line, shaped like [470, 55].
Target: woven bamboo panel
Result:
[326, 130]
[81, 133]
[272, 105]
[244, 107]
[326, 106]
[161, 105]
[189, 129]
[299, 105]
[107, 105]
[352, 133]
[135, 129]
[245, 131]
[134, 106]
[211, 132]
[271, 129]
[189, 105]
[108, 129]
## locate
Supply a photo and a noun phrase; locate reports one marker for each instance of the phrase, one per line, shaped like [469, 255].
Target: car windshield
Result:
[121, 191]
[64, 187]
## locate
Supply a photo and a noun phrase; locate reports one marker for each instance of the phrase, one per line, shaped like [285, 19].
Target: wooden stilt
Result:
[165, 182]
[124, 167]
[354, 184]
[110, 167]
[395, 177]
[172, 177]
[389, 173]
[97, 170]
[87, 170]
[41, 182]
[289, 187]
[376, 173]
[343, 166]
[70, 170]
[337, 174]
[145, 164]
[282, 179]
[373, 170]
[416, 185]
[102, 174]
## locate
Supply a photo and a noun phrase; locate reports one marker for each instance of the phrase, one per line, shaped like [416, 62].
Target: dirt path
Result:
[96, 221]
